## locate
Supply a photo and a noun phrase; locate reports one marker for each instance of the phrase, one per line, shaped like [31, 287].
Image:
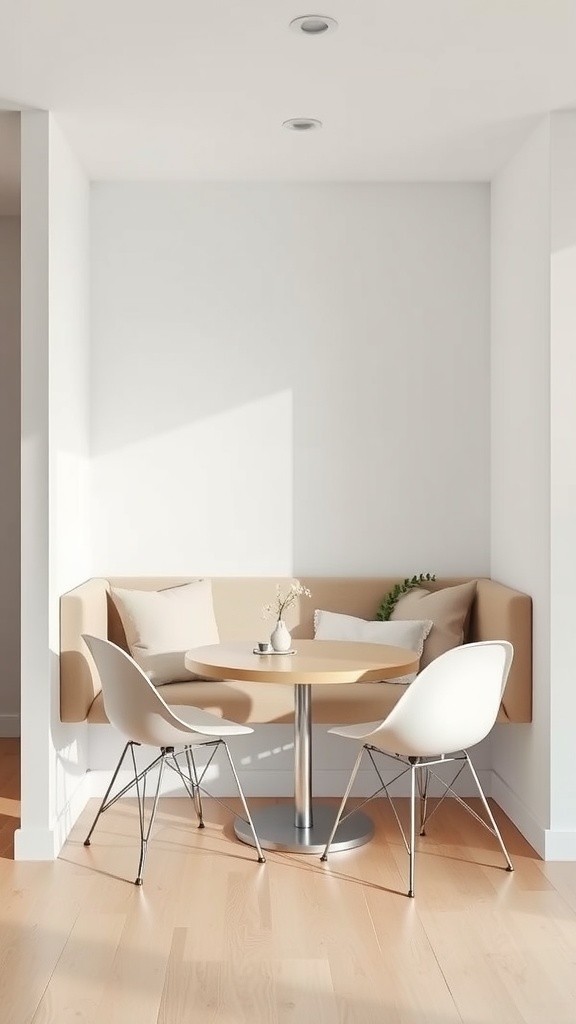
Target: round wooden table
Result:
[306, 827]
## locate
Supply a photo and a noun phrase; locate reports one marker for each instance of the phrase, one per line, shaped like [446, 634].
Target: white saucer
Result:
[264, 654]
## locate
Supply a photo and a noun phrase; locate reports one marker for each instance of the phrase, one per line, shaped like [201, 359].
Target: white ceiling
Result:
[407, 90]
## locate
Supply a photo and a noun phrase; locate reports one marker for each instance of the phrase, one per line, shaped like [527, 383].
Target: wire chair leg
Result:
[194, 780]
[145, 834]
[261, 857]
[423, 783]
[510, 866]
[343, 803]
[107, 794]
[413, 769]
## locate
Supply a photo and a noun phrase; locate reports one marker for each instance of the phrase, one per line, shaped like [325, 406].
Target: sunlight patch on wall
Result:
[214, 496]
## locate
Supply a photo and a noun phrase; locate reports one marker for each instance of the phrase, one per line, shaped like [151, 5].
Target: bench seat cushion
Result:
[247, 702]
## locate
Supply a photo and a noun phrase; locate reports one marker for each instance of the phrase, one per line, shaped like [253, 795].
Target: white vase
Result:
[280, 637]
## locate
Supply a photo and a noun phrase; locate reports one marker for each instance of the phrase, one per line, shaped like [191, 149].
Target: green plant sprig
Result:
[390, 599]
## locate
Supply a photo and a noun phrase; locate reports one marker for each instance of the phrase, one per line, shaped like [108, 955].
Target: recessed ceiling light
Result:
[302, 124]
[313, 24]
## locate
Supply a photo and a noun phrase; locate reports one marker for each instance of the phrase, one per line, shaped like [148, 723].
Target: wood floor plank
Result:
[133, 987]
[74, 991]
[417, 989]
[35, 929]
[542, 930]
[411, 985]
[317, 915]
[304, 992]
[217, 992]
[561, 875]
[360, 890]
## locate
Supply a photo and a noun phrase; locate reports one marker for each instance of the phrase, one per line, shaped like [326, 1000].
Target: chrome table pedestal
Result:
[305, 826]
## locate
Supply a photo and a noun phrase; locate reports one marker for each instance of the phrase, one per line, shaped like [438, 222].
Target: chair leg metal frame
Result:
[106, 802]
[195, 779]
[197, 795]
[192, 783]
[421, 771]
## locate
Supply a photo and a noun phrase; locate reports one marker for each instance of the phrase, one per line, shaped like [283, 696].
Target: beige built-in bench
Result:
[498, 612]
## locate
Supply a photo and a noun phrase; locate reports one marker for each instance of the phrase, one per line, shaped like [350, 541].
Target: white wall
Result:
[36, 671]
[290, 378]
[533, 468]
[562, 839]
[55, 538]
[520, 375]
[10, 475]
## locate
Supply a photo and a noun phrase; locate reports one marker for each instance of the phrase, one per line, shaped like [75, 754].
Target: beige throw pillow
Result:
[161, 625]
[449, 610]
[410, 634]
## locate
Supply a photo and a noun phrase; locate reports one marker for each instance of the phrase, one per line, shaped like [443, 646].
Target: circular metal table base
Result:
[277, 831]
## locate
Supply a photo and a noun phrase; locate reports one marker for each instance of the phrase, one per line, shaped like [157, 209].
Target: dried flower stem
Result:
[278, 608]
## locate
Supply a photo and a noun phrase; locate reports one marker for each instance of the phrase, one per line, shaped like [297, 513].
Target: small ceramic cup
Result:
[264, 647]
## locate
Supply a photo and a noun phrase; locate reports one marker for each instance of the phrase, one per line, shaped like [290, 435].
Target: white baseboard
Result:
[35, 844]
[560, 845]
[45, 844]
[72, 811]
[550, 844]
[9, 725]
[519, 814]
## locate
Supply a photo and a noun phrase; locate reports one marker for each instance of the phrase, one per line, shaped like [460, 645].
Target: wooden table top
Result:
[315, 661]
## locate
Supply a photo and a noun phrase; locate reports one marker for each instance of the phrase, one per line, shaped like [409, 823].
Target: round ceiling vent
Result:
[313, 25]
[302, 124]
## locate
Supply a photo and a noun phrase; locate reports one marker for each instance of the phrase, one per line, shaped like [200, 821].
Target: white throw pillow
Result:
[161, 625]
[410, 633]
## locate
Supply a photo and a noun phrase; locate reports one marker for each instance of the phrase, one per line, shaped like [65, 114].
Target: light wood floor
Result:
[214, 937]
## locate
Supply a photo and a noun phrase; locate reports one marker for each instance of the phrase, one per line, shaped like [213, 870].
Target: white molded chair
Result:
[135, 707]
[451, 705]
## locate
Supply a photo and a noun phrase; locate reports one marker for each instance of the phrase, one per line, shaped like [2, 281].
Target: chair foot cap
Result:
[86, 842]
[261, 860]
[201, 824]
[509, 868]
[411, 893]
[138, 881]
[324, 857]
